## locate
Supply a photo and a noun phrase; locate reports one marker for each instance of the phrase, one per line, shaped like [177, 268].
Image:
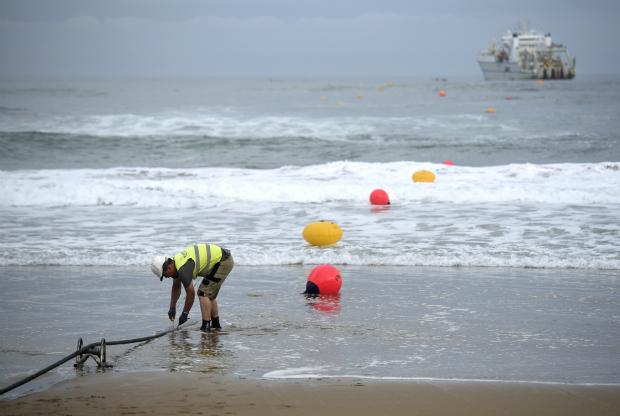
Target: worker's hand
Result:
[172, 313]
[183, 318]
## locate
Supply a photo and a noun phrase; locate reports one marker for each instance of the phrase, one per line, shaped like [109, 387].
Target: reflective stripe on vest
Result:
[206, 269]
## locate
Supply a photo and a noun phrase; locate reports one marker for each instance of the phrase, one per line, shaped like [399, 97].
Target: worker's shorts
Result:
[211, 284]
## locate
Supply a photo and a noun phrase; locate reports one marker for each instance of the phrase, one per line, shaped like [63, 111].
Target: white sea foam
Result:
[542, 216]
[342, 128]
[301, 372]
[318, 372]
[346, 182]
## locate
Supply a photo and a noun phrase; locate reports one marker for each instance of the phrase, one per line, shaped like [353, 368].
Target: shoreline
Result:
[164, 393]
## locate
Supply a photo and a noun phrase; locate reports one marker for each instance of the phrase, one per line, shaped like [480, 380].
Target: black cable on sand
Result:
[79, 352]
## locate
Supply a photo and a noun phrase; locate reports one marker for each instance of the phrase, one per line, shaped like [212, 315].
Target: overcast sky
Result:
[288, 38]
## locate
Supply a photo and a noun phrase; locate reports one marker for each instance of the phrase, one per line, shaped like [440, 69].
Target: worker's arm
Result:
[189, 299]
[176, 292]
[174, 297]
[185, 275]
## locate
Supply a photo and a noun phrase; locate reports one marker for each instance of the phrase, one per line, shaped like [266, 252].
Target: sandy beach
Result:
[166, 393]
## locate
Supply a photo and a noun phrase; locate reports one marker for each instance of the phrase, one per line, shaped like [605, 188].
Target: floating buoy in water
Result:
[379, 197]
[509, 98]
[447, 162]
[322, 233]
[423, 176]
[490, 110]
[324, 280]
[442, 93]
[360, 96]
[323, 97]
[390, 84]
[540, 81]
[380, 88]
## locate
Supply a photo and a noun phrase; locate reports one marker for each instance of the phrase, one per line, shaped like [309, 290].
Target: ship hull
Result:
[504, 71]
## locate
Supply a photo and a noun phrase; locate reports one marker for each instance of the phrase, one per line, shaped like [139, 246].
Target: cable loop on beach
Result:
[95, 350]
[88, 349]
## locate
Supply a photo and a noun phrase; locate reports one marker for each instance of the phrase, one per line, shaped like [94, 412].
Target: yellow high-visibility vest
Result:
[205, 256]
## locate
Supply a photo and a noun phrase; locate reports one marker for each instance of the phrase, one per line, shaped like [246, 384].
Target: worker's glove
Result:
[183, 318]
[172, 313]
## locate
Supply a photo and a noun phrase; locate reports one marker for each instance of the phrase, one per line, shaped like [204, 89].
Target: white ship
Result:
[526, 55]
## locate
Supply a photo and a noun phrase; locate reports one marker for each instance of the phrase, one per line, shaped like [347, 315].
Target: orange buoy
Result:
[540, 81]
[379, 197]
[381, 88]
[490, 110]
[322, 233]
[442, 93]
[390, 84]
[360, 96]
[423, 176]
[447, 162]
[324, 280]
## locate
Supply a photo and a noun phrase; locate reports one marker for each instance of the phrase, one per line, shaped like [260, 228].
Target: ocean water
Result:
[99, 175]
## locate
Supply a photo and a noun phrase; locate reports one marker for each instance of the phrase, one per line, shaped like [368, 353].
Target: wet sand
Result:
[166, 393]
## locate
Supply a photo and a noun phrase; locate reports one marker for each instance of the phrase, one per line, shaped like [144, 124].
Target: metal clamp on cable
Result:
[97, 354]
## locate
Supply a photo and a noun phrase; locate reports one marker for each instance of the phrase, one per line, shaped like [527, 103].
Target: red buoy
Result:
[447, 162]
[324, 280]
[379, 197]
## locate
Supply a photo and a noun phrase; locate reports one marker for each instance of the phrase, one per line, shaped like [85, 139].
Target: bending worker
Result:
[208, 261]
